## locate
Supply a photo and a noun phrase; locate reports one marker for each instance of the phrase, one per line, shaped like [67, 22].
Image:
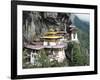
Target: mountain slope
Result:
[83, 25]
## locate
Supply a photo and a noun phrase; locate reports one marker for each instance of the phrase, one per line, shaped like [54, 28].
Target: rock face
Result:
[35, 24]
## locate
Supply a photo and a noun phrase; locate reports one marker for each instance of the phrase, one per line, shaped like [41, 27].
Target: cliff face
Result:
[35, 24]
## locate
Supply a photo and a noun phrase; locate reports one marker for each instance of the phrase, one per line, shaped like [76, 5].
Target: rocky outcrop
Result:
[35, 24]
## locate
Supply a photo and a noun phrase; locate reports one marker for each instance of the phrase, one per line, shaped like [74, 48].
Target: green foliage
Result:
[84, 45]
[77, 55]
[78, 58]
[24, 56]
[70, 46]
[83, 38]
[43, 59]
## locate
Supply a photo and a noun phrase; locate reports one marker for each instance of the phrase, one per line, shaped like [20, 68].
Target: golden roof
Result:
[50, 33]
[51, 37]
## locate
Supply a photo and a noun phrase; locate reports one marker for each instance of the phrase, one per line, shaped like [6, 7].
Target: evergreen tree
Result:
[77, 55]
[79, 59]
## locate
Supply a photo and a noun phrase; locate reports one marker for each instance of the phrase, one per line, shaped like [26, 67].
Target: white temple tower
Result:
[73, 36]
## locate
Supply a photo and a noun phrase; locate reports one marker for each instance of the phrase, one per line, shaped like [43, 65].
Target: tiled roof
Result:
[37, 47]
[56, 46]
[52, 37]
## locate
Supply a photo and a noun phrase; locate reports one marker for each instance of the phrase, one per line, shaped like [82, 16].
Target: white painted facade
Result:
[45, 43]
[52, 43]
[49, 43]
[60, 55]
[32, 59]
[74, 37]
